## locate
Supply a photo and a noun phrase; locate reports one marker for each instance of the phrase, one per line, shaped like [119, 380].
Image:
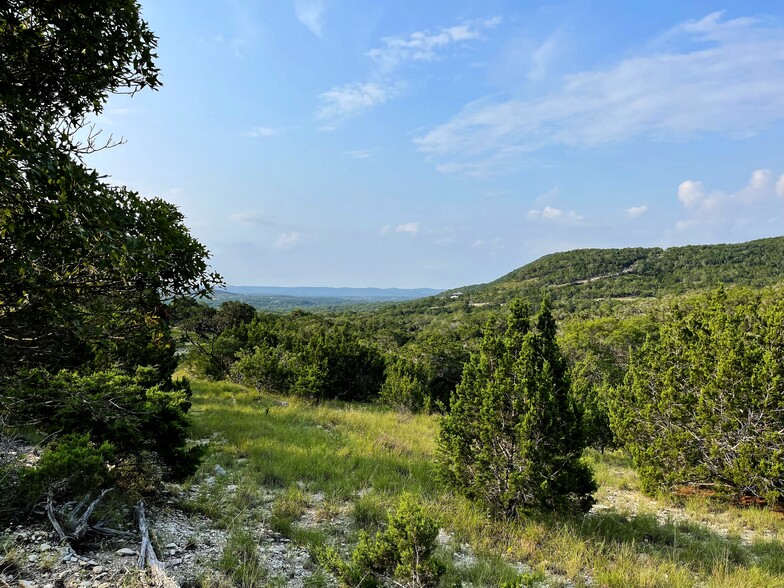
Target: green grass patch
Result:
[361, 458]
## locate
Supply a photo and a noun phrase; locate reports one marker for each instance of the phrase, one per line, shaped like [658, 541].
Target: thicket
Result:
[303, 354]
[703, 401]
[513, 437]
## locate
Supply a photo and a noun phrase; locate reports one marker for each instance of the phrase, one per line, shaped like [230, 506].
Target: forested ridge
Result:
[580, 279]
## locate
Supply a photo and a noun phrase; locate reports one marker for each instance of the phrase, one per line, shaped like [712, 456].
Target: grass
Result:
[361, 458]
[240, 560]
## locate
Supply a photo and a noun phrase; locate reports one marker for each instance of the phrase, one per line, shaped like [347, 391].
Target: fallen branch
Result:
[82, 524]
[64, 538]
[77, 523]
[147, 558]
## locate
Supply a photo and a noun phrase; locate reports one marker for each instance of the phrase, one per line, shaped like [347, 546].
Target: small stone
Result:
[98, 569]
[125, 552]
[32, 558]
[26, 584]
[174, 562]
[171, 546]
[48, 585]
[44, 547]
[219, 471]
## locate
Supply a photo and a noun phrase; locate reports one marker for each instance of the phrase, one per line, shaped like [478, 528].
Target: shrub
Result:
[513, 437]
[403, 389]
[265, 368]
[403, 552]
[72, 465]
[111, 406]
[704, 401]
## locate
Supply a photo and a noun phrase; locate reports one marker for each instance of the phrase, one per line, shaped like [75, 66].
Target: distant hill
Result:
[583, 277]
[319, 292]
[317, 298]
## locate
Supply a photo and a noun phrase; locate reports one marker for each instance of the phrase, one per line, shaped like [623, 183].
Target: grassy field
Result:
[301, 468]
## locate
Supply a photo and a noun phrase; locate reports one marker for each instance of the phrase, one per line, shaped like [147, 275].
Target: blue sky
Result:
[411, 144]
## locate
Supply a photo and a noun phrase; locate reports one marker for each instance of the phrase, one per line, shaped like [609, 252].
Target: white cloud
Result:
[729, 80]
[780, 186]
[311, 14]
[426, 45]
[349, 100]
[690, 192]
[412, 228]
[288, 240]
[551, 213]
[636, 211]
[385, 229]
[759, 189]
[749, 205]
[355, 98]
[257, 132]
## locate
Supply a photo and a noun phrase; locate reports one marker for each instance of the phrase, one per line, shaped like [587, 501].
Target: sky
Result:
[403, 143]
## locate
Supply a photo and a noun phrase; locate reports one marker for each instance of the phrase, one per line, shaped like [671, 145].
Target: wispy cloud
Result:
[360, 153]
[252, 218]
[349, 100]
[637, 211]
[780, 187]
[426, 45]
[258, 132]
[541, 57]
[729, 80]
[412, 228]
[311, 14]
[288, 240]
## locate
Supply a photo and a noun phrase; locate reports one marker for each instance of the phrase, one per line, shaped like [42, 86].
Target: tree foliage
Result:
[704, 401]
[86, 268]
[85, 265]
[512, 439]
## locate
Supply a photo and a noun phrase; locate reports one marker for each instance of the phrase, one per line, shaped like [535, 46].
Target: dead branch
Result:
[77, 522]
[82, 524]
[157, 577]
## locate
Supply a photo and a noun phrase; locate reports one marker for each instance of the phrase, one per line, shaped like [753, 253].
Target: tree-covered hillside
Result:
[579, 279]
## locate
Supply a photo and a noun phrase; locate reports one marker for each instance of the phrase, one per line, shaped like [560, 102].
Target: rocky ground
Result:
[188, 544]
